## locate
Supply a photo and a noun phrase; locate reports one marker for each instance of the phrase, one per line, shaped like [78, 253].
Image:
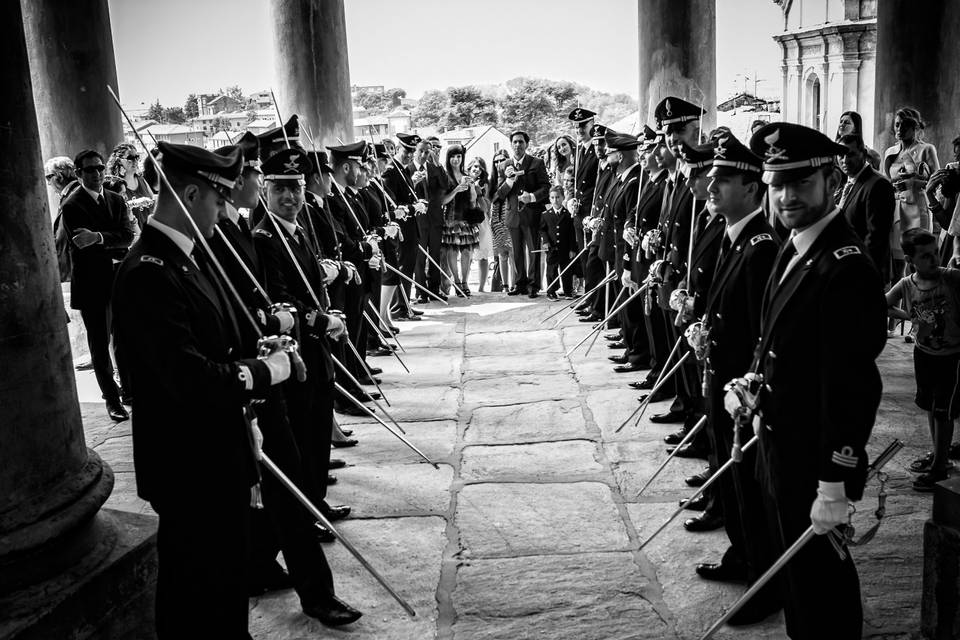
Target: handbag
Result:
[473, 215]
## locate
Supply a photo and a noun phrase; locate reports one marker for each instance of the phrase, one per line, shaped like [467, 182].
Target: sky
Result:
[170, 49]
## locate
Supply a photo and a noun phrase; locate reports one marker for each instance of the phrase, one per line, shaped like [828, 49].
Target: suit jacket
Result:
[869, 209]
[822, 330]
[703, 266]
[646, 219]
[343, 207]
[606, 184]
[622, 198]
[586, 179]
[535, 180]
[93, 266]
[735, 296]
[556, 230]
[183, 346]
[433, 190]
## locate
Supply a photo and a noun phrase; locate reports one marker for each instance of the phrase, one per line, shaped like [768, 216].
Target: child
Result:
[558, 242]
[931, 298]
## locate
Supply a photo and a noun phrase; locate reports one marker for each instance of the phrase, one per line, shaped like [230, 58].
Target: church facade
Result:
[829, 62]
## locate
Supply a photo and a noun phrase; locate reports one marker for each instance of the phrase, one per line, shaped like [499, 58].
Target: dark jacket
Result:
[433, 190]
[93, 267]
[622, 205]
[533, 179]
[706, 246]
[183, 348]
[868, 208]
[557, 231]
[586, 179]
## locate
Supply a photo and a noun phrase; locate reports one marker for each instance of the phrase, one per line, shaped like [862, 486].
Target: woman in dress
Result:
[460, 237]
[852, 122]
[502, 246]
[561, 157]
[478, 171]
[908, 164]
[124, 177]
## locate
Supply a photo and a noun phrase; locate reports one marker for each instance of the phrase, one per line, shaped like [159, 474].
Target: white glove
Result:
[645, 242]
[286, 320]
[573, 206]
[374, 246]
[630, 236]
[830, 507]
[330, 270]
[350, 272]
[401, 212]
[335, 327]
[626, 280]
[420, 207]
[278, 363]
[257, 439]
[374, 262]
[392, 230]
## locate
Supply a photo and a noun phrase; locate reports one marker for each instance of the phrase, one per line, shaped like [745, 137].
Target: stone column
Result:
[71, 64]
[678, 55]
[51, 485]
[313, 77]
[917, 53]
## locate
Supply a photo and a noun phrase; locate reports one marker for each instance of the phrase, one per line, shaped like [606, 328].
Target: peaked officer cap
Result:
[580, 114]
[791, 151]
[673, 113]
[732, 157]
[219, 171]
[288, 164]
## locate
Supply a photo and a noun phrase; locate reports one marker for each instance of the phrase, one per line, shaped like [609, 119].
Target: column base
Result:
[109, 594]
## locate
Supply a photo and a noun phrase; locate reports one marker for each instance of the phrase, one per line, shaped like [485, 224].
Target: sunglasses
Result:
[98, 168]
[133, 158]
[49, 176]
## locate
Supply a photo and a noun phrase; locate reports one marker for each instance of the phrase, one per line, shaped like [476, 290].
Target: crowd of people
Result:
[692, 247]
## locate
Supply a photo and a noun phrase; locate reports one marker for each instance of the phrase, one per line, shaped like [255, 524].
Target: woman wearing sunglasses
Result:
[125, 177]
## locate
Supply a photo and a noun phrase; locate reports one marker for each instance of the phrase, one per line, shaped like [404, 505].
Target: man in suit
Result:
[823, 322]
[430, 185]
[867, 202]
[731, 318]
[174, 319]
[101, 229]
[527, 179]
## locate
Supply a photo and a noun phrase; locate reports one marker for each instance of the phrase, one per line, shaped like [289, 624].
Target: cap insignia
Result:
[666, 106]
[291, 165]
[774, 152]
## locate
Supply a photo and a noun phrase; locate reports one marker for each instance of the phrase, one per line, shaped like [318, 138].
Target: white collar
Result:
[183, 242]
[93, 194]
[805, 238]
[291, 227]
[518, 161]
[232, 213]
[734, 230]
[626, 172]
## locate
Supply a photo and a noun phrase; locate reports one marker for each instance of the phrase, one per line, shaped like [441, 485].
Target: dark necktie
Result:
[725, 245]
[786, 254]
[847, 188]
[244, 227]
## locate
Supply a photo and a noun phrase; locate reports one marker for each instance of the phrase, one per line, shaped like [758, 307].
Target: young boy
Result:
[931, 300]
[558, 242]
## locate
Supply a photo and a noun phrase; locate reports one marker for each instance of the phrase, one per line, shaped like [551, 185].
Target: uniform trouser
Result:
[96, 321]
[606, 297]
[407, 257]
[524, 240]
[284, 524]
[633, 329]
[310, 411]
[566, 280]
[820, 592]
[685, 377]
[354, 303]
[430, 235]
[202, 547]
[656, 334]
[592, 273]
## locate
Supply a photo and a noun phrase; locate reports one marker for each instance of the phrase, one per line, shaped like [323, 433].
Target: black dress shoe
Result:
[375, 370]
[720, 572]
[337, 463]
[348, 432]
[336, 512]
[583, 312]
[416, 312]
[126, 401]
[617, 345]
[647, 383]
[699, 479]
[690, 451]
[407, 317]
[703, 522]
[514, 292]
[323, 534]
[618, 359]
[343, 444]
[533, 294]
[697, 505]
[116, 411]
[349, 409]
[591, 318]
[379, 351]
[674, 438]
[265, 581]
[365, 379]
[613, 337]
[670, 417]
[627, 368]
[660, 395]
[336, 613]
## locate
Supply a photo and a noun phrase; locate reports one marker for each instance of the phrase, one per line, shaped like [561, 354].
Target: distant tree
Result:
[190, 108]
[174, 115]
[219, 124]
[251, 115]
[467, 106]
[430, 108]
[155, 112]
[395, 95]
[236, 93]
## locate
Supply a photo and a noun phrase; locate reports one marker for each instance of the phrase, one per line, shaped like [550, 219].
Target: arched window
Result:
[812, 114]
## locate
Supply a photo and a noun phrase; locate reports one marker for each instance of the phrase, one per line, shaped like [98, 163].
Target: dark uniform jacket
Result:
[623, 202]
[533, 179]
[647, 217]
[93, 266]
[822, 330]
[586, 178]
[868, 208]
[606, 183]
[556, 230]
[352, 247]
[706, 246]
[319, 223]
[183, 344]
[733, 303]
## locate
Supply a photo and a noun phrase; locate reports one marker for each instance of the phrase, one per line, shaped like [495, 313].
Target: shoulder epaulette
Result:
[152, 260]
[757, 239]
[843, 252]
[263, 232]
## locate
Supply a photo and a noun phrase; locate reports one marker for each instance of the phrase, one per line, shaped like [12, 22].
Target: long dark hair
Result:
[495, 175]
[857, 120]
[484, 178]
[455, 150]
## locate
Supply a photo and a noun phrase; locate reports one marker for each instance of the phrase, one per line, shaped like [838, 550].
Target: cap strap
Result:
[733, 164]
[216, 178]
[799, 164]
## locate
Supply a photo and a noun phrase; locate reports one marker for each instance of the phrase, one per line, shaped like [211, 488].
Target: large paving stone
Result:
[407, 552]
[550, 420]
[124, 495]
[432, 367]
[634, 463]
[417, 404]
[497, 520]
[590, 596]
[596, 370]
[534, 363]
[610, 407]
[432, 332]
[117, 451]
[564, 461]
[509, 390]
[394, 490]
[513, 343]
[377, 446]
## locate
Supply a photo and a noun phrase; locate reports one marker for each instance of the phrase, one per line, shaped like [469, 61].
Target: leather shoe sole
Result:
[720, 572]
[618, 359]
[335, 614]
[671, 417]
[344, 444]
[337, 463]
[703, 522]
[698, 480]
[627, 368]
[337, 512]
[697, 505]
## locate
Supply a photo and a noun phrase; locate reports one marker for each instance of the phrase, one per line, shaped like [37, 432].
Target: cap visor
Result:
[778, 178]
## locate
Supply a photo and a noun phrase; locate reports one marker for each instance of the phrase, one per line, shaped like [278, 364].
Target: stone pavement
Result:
[530, 528]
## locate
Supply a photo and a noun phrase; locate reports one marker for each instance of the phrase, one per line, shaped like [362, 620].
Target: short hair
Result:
[556, 189]
[58, 164]
[526, 138]
[83, 155]
[854, 139]
[913, 238]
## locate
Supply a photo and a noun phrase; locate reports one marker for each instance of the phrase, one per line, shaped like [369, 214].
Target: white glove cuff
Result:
[832, 491]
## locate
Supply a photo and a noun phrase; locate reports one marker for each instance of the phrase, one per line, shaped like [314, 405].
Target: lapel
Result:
[241, 242]
[731, 261]
[705, 237]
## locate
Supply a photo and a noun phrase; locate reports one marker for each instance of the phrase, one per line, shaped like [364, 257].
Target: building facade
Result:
[829, 62]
